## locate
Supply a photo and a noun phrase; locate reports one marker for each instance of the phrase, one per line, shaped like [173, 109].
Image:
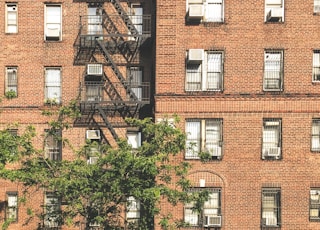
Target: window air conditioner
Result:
[94, 69]
[275, 15]
[271, 221]
[215, 151]
[211, 221]
[93, 160]
[272, 152]
[196, 11]
[195, 55]
[53, 32]
[93, 134]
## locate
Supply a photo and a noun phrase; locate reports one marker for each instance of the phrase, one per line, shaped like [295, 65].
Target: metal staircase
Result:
[119, 36]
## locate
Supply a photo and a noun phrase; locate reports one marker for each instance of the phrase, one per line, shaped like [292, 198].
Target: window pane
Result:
[53, 14]
[193, 139]
[214, 70]
[272, 70]
[193, 77]
[215, 11]
[53, 84]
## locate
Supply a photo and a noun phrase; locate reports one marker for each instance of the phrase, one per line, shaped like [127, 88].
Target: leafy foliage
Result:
[98, 192]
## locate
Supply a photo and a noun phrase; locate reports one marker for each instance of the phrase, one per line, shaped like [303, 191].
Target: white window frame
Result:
[11, 18]
[314, 205]
[52, 145]
[12, 206]
[316, 66]
[273, 70]
[204, 135]
[271, 207]
[53, 86]
[53, 22]
[133, 209]
[51, 205]
[316, 6]
[215, 6]
[315, 135]
[211, 207]
[271, 138]
[274, 7]
[198, 74]
[11, 79]
[134, 139]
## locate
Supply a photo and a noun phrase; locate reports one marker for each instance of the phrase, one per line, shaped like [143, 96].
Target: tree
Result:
[101, 193]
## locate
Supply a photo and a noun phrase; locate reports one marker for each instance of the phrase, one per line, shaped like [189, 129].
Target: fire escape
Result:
[108, 45]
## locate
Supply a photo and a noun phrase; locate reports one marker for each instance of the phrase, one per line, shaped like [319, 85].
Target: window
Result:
[273, 70]
[52, 147]
[95, 20]
[204, 70]
[12, 206]
[52, 210]
[134, 139]
[135, 78]
[206, 11]
[12, 80]
[274, 11]
[205, 136]
[136, 17]
[271, 139]
[53, 85]
[11, 18]
[271, 207]
[94, 91]
[210, 215]
[315, 135]
[316, 66]
[316, 6]
[133, 209]
[314, 212]
[214, 11]
[53, 23]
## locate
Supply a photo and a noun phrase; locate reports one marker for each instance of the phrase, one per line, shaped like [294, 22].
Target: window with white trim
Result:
[314, 207]
[133, 209]
[274, 11]
[203, 136]
[271, 207]
[210, 213]
[52, 146]
[316, 6]
[12, 206]
[53, 23]
[95, 19]
[315, 135]
[271, 139]
[11, 18]
[316, 66]
[214, 11]
[204, 70]
[12, 80]
[53, 85]
[52, 210]
[205, 11]
[134, 139]
[135, 78]
[273, 70]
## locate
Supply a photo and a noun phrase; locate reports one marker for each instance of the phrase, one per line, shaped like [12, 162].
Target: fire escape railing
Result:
[107, 35]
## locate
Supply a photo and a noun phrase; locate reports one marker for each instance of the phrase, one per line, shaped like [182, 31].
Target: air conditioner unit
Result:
[272, 152]
[195, 55]
[53, 32]
[94, 69]
[275, 15]
[196, 11]
[212, 221]
[215, 151]
[93, 134]
[93, 160]
[271, 221]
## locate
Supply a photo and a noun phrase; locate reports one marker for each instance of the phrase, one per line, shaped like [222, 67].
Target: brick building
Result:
[243, 77]
[229, 69]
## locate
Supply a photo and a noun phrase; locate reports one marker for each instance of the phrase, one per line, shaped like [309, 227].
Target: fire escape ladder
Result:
[117, 72]
[111, 90]
[108, 124]
[125, 17]
[122, 45]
